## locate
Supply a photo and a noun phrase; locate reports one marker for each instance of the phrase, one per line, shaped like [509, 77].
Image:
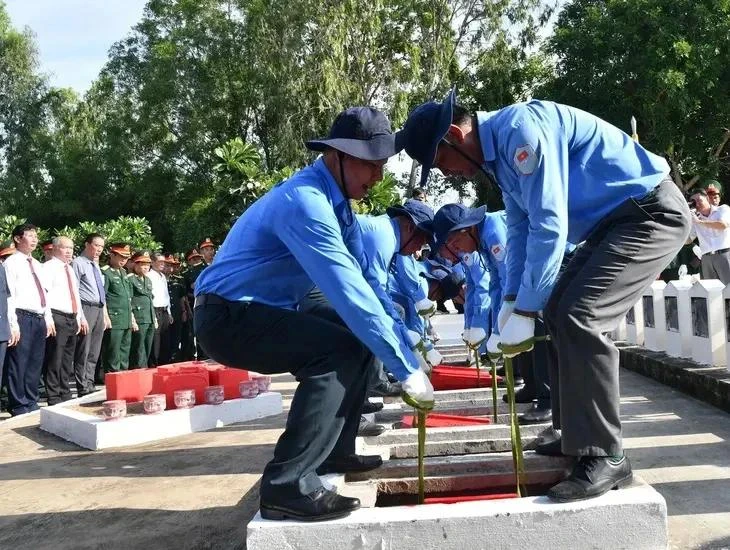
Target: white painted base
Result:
[635, 517]
[96, 433]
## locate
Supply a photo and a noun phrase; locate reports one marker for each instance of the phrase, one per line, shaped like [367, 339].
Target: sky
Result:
[74, 36]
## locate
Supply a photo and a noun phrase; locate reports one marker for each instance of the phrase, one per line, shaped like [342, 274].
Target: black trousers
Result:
[60, 351]
[88, 349]
[161, 349]
[24, 363]
[328, 361]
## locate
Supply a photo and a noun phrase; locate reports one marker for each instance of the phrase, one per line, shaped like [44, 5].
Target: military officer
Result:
[195, 267]
[207, 249]
[144, 312]
[176, 288]
[115, 354]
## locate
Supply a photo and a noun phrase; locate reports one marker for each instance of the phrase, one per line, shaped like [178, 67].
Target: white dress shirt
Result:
[160, 292]
[59, 296]
[22, 285]
[713, 239]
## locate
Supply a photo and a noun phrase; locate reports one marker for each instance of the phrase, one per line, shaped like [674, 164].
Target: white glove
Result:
[433, 357]
[418, 387]
[504, 312]
[698, 251]
[474, 337]
[518, 332]
[425, 308]
[492, 345]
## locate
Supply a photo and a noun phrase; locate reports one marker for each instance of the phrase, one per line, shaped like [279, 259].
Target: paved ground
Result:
[199, 491]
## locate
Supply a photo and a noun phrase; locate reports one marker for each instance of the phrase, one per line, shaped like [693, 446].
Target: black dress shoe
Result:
[592, 476]
[320, 505]
[521, 396]
[536, 414]
[369, 429]
[552, 447]
[387, 389]
[371, 407]
[350, 463]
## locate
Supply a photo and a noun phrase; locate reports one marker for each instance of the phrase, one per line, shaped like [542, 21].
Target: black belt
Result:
[164, 308]
[721, 251]
[29, 313]
[64, 314]
[210, 300]
[92, 304]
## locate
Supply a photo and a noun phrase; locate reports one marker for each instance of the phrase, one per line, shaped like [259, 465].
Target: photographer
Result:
[710, 225]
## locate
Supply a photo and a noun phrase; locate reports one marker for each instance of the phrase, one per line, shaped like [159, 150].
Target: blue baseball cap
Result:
[452, 217]
[418, 211]
[424, 129]
[361, 132]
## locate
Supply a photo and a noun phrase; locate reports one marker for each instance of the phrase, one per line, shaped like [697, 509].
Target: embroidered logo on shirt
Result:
[498, 252]
[525, 159]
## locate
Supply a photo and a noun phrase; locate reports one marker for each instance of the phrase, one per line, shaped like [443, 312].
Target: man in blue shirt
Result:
[300, 234]
[477, 239]
[566, 176]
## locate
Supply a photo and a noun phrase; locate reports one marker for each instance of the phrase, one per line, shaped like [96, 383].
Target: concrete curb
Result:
[705, 382]
[635, 517]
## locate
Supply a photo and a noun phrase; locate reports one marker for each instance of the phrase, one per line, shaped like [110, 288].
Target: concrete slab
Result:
[634, 518]
[449, 441]
[92, 432]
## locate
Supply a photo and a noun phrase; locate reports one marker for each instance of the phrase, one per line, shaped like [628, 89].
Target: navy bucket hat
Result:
[418, 211]
[361, 132]
[452, 217]
[424, 129]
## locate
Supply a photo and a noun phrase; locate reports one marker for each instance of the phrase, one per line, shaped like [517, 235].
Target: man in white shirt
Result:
[68, 318]
[711, 227]
[28, 289]
[161, 349]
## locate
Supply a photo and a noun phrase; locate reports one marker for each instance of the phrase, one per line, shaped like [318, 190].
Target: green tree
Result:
[662, 61]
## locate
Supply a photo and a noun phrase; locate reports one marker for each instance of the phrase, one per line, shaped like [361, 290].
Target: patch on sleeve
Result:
[525, 159]
[499, 252]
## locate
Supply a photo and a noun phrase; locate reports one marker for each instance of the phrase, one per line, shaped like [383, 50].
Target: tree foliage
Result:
[663, 61]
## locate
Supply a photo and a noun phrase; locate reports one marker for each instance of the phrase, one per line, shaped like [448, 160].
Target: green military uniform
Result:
[189, 277]
[176, 288]
[144, 314]
[115, 356]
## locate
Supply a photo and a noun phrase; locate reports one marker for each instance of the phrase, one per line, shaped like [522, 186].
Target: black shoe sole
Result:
[544, 450]
[276, 514]
[620, 484]
[527, 420]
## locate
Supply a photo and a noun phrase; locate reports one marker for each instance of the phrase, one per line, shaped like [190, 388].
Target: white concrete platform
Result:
[632, 518]
[93, 432]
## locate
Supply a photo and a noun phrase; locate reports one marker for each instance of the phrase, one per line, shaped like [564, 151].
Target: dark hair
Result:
[91, 236]
[157, 255]
[698, 191]
[19, 230]
[461, 115]
[417, 191]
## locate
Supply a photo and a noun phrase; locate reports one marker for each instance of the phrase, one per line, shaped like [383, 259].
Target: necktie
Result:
[74, 305]
[41, 293]
[99, 283]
